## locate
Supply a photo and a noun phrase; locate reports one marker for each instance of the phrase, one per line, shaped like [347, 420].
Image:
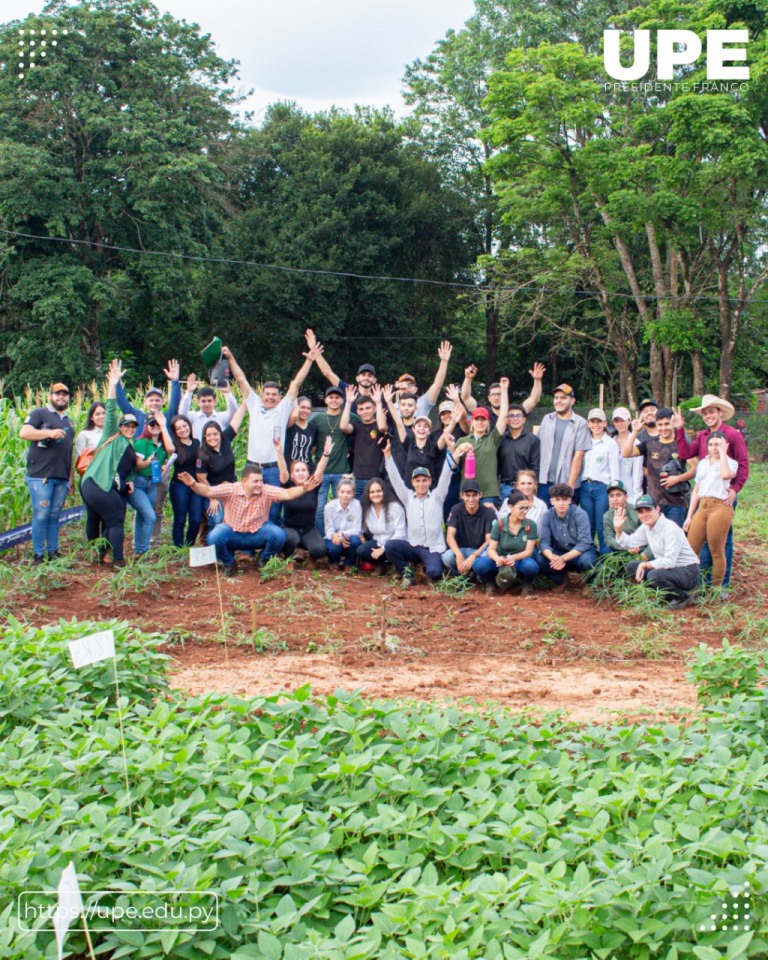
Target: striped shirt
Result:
[243, 513]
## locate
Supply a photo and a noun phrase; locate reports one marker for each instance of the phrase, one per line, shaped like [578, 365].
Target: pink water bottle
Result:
[469, 465]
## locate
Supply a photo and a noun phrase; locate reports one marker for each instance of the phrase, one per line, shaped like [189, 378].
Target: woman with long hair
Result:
[187, 506]
[89, 438]
[343, 524]
[216, 460]
[299, 515]
[383, 520]
[512, 545]
[155, 445]
[105, 483]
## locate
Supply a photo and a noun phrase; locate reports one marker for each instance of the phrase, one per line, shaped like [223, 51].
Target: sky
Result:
[318, 53]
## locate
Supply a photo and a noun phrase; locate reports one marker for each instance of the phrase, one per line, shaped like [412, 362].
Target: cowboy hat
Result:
[710, 400]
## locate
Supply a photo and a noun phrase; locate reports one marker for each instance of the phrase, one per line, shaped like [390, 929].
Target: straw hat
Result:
[710, 400]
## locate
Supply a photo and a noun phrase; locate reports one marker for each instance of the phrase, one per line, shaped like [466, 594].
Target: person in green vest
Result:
[106, 482]
[484, 442]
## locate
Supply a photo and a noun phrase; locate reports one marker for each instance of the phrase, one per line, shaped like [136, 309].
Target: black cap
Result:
[646, 502]
[331, 390]
[366, 368]
[470, 486]
[648, 402]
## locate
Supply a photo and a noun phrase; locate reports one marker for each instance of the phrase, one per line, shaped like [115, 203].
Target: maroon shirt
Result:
[737, 450]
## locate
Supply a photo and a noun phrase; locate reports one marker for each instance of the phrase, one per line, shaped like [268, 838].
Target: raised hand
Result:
[309, 336]
[619, 519]
[637, 425]
[452, 392]
[388, 392]
[677, 419]
[226, 352]
[538, 371]
[314, 352]
[172, 370]
[444, 351]
[115, 372]
[470, 372]
[191, 382]
[504, 383]
[160, 417]
[376, 393]
[351, 393]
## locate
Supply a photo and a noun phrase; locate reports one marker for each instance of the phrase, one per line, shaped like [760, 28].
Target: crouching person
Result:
[467, 534]
[512, 546]
[246, 511]
[674, 569]
[425, 542]
[566, 538]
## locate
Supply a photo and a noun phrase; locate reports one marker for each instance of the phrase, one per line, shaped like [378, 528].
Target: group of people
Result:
[372, 482]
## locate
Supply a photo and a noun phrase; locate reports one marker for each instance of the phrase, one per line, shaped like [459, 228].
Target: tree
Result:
[669, 188]
[115, 139]
[332, 197]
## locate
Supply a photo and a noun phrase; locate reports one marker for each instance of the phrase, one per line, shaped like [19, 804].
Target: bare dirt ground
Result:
[559, 652]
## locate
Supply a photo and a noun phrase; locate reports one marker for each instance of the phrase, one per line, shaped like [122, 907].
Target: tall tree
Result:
[115, 138]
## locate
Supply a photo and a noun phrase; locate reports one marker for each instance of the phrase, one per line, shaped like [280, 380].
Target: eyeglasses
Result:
[515, 416]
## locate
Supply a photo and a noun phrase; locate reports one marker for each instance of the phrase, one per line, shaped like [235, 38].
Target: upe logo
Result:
[676, 48]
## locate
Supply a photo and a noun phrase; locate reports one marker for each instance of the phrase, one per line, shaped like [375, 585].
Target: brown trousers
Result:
[711, 522]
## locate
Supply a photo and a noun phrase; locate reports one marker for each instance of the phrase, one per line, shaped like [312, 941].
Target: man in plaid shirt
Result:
[246, 509]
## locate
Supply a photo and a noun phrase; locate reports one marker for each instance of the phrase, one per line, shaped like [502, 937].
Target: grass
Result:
[454, 586]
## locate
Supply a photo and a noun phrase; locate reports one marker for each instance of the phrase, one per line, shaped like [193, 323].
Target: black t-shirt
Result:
[471, 529]
[524, 453]
[50, 458]
[367, 456]
[187, 458]
[657, 454]
[299, 514]
[299, 443]
[125, 466]
[413, 456]
[219, 464]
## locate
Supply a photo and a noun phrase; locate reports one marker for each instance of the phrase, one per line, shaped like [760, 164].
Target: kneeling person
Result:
[468, 534]
[513, 541]
[675, 567]
[566, 538]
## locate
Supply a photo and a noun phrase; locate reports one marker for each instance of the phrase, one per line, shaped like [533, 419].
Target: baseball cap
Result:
[470, 486]
[406, 376]
[446, 406]
[647, 402]
[421, 472]
[596, 414]
[331, 390]
[423, 417]
[616, 485]
[366, 368]
[126, 419]
[59, 388]
[481, 412]
[564, 388]
[645, 502]
[152, 390]
[621, 413]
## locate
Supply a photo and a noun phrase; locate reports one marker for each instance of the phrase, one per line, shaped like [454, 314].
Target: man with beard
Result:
[338, 463]
[564, 438]
[51, 436]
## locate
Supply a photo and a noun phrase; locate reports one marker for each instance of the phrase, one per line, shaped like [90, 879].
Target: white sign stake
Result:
[70, 906]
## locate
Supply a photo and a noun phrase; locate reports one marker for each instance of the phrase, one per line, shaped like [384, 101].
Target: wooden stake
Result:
[122, 742]
[384, 622]
[221, 611]
[602, 396]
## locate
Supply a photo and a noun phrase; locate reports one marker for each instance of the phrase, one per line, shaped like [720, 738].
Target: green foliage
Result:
[345, 829]
[721, 674]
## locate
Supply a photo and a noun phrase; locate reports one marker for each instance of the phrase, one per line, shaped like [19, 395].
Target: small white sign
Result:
[92, 649]
[201, 556]
[70, 905]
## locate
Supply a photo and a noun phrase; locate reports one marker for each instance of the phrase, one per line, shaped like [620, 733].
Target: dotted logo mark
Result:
[735, 916]
[35, 46]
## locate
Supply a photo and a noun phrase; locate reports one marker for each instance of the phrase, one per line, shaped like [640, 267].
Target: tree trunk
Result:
[669, 375]
[627, 389]
[90, 341]
[698, 373]
[657, 371]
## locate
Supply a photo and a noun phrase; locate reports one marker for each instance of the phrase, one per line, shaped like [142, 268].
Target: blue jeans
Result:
[269, 538]
[483, 568]
[218, 517]
[48, 496]
[705, 558]
[579, 564]
[330, 482]
[594, 499]
[344, 556]
[674, 513]
[143, 502]
[185, 504]
[272, 477]
[402, 555]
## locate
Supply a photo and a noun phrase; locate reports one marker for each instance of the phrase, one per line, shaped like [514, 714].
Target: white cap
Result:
[621, 413]
[596, 414]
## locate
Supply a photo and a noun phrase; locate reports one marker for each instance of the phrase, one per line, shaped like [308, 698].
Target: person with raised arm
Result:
[425, 542]
[215, 462]
[366, 433]
[484, 443]
[268, 416]
[154, 443]
[206, 402]
[494, 392]
[299, 515]
[406, 383]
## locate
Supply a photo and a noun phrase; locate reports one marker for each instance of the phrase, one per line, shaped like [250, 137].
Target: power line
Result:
[476, 287]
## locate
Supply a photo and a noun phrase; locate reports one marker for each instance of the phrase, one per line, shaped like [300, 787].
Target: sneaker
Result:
[119, 564]
[561, 587]
[367, 567]
[491, 590]
[407, 580]
[230, 569]
[55, 555]
[679, 604]
[37, 560]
